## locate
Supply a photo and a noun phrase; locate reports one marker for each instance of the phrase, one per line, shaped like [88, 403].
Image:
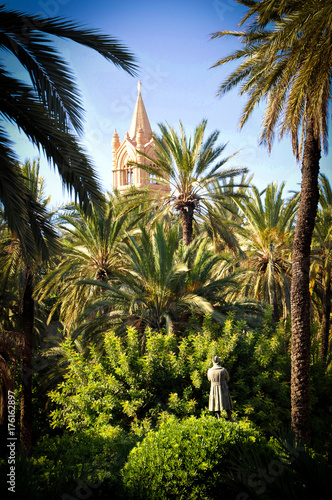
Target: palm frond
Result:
[25, 36]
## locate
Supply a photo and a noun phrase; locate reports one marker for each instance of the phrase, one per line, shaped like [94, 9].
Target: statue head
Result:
[216, 360]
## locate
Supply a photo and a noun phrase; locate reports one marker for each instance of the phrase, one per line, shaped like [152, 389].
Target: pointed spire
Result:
[115, 146]
[115, 140]
[140, 118]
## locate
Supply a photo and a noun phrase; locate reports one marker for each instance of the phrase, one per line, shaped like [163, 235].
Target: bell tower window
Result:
[153, 179]
[130, 176]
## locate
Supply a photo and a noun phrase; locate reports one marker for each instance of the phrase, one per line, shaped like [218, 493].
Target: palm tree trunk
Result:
[276, 315]
[27, 330]
[326, 316]
[272, 288]
[285, 305]
[187, 216]
[274, 301]
[300, 296]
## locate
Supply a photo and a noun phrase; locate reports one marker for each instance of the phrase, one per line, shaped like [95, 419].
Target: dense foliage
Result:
[187, 459]
[182, 458]
[208, 459]
[73, 465]
[285, 61]
[136, 378]
[111, 311]
[139, 323]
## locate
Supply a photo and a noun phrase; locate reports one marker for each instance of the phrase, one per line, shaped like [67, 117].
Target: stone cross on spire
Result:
[139, 86]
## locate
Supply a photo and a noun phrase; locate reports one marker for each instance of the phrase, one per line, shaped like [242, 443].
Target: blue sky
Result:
[171, 41]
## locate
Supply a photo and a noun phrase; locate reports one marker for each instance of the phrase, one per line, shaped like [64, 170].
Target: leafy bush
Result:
[138, 377]
[71, 466]
[297, 472]
[135, 379]
[132, 381]
[210, 459]
[187, 459]
[258, 362]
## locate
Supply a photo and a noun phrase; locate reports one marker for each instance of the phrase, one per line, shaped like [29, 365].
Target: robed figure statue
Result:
[220, 398]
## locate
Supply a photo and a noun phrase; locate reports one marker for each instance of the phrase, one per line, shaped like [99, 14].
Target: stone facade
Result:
[139, 137]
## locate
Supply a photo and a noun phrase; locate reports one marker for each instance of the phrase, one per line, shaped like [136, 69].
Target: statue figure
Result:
[220, 398]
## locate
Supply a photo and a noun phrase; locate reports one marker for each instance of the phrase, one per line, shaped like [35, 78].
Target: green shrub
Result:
[135, 379]
[138, 377]
[210, 459]
[72, 466]
[187, 459]
[297, 473]
[132, 382]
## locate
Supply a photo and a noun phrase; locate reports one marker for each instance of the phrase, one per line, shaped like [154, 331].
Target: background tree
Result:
[287, 59]
[321, 267]
[224, 215]
[266, 239]
[24, 271]
[48, 110]
[165, 283]
[191, 166]
[91, 250]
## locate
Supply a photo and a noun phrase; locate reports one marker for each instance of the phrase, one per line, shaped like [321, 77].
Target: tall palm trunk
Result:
[326, 315]
[276, 315]
[272, 287]
[300, 296]
[27, 330]
[187, 216]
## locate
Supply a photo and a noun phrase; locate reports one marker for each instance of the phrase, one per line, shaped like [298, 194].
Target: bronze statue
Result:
[220, 398]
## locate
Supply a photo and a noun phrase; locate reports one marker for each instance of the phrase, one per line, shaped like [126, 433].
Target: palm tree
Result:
[91, 250]
[48, 110]
[225, 215]
[321, 267]
[266, 240]
[287, 59]
[165, 283]
[191, 166]
[23, 270]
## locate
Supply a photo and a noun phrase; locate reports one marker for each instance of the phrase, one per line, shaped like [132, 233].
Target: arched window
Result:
[130, 176]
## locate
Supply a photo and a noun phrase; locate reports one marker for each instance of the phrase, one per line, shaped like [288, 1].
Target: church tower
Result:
[139, 137]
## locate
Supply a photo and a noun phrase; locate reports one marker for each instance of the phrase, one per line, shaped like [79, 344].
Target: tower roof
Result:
[140, 118]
